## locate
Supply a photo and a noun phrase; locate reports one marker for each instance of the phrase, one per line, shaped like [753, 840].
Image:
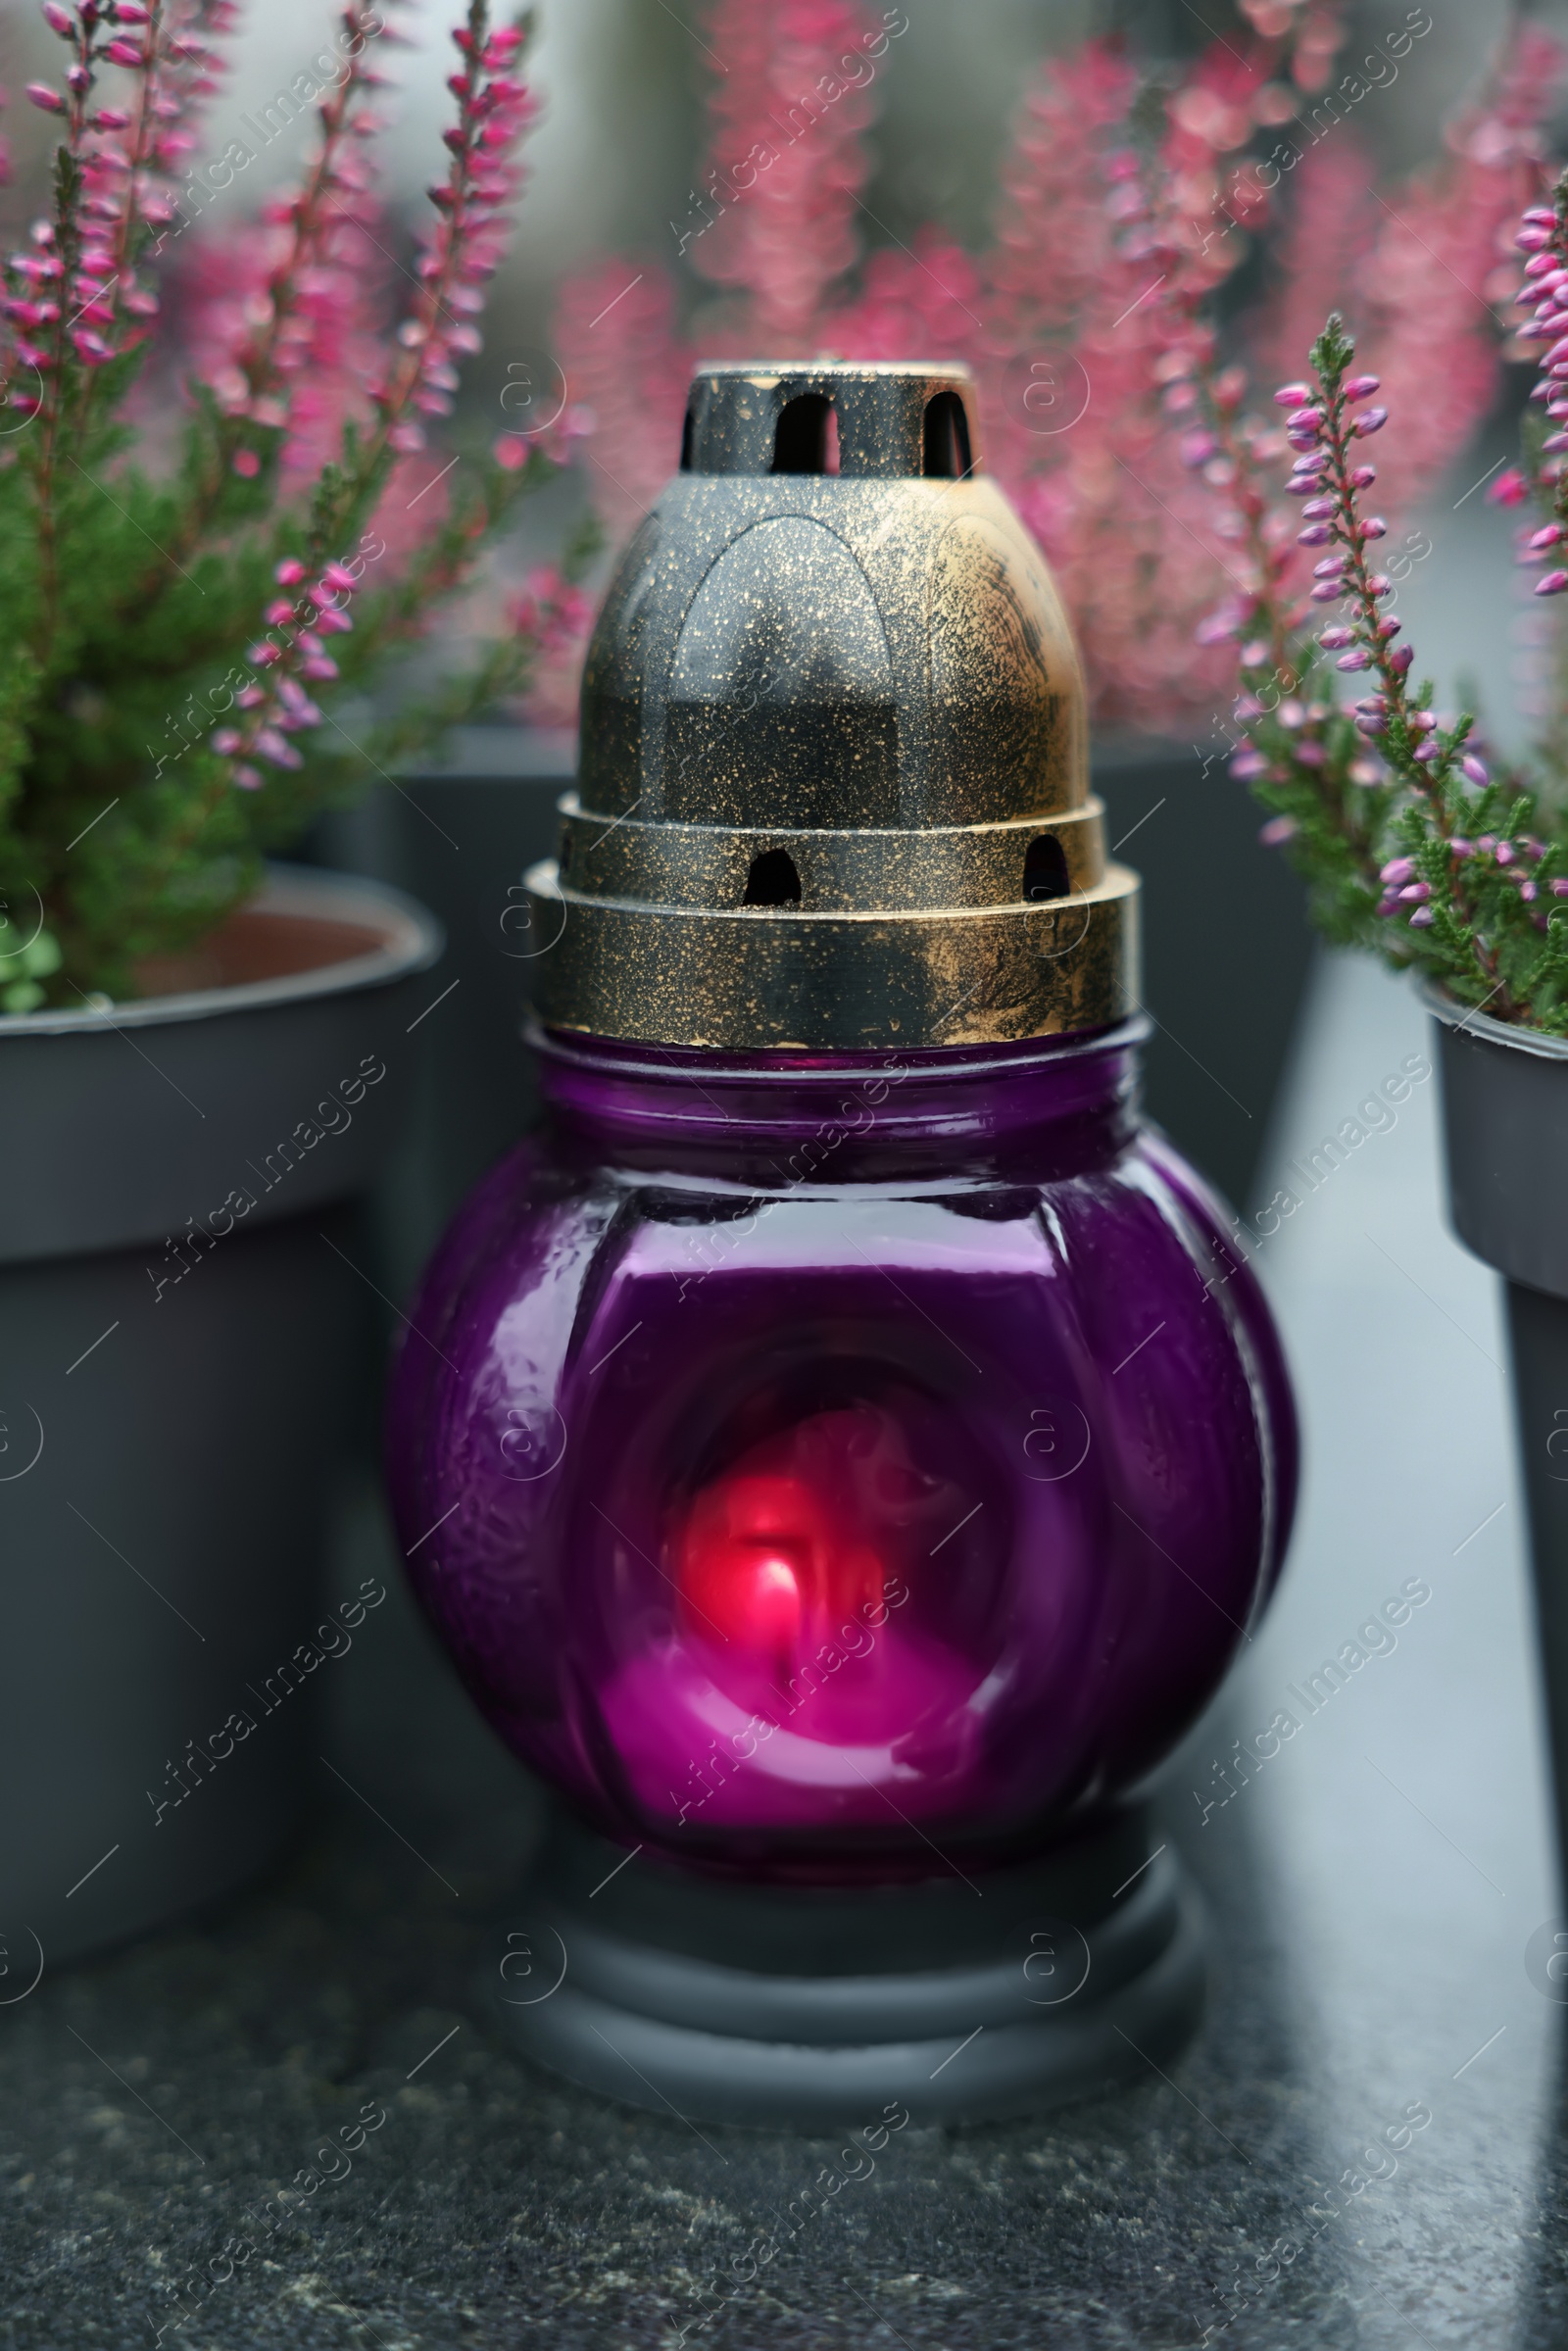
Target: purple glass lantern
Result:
[854, 1449]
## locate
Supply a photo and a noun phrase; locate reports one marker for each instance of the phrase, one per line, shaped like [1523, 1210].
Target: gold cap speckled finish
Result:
[833, 792]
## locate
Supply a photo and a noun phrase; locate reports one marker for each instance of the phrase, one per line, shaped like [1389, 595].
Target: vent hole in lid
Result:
[946, 438]
[773, 880]
[688, 434]
[805, 439]
[1045, 868]
[563, 860]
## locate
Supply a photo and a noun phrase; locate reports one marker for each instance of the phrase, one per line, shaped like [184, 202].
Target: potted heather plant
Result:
[1417, 844]
[203, 1061]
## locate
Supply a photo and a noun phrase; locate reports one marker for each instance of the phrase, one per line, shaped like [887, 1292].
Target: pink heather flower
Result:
[1359, 659]
[1476, 769]
[1422, 918]
[1293, 395]
[1359, 387]
[268, 744]
[226, 741]
[1398, 870]
[1332, 639]
[784, 228]
[1246, 764]
[1552, 583]
[289, 572]
[43, 95]
[1371, 419]
[1277, 831]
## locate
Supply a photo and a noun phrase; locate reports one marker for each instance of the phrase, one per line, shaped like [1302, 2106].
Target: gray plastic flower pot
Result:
[180, 1300]
[1505, 1131]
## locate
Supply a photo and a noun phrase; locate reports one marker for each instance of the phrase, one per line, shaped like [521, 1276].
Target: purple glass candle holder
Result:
[842, 1468]
[846, 1475]
[829, 1459]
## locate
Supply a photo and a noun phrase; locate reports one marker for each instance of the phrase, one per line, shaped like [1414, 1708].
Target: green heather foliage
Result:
[173, 643]
[1411, 843]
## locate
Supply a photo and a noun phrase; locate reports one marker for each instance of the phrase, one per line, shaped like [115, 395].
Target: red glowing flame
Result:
[764, 1565]
[800, 1535]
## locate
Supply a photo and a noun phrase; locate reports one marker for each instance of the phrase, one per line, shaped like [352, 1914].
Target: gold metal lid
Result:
[833, 790]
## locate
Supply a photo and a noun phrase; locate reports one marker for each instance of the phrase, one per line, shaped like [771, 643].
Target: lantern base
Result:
[964, 1998]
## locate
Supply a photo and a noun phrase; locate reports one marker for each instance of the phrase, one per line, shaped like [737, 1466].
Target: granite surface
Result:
[1378, 1890]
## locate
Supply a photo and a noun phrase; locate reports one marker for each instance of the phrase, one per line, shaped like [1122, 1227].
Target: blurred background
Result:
[633, 96]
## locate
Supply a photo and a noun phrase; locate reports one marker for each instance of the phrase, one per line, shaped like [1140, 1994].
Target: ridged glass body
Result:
[812, 1460]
